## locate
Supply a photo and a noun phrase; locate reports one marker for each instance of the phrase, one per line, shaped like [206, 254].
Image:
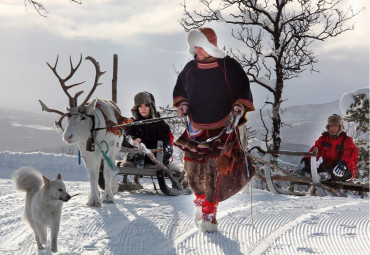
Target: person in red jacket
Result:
[337, 154]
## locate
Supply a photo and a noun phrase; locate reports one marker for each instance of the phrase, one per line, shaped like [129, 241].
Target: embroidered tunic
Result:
[211, 89]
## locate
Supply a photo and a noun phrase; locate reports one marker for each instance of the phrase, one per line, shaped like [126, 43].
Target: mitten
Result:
[340, 168]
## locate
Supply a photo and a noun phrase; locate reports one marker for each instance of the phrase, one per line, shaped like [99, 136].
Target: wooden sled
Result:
[280, 181]
[362, 188]
[171, 181]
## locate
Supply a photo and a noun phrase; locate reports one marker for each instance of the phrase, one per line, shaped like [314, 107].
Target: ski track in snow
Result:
[148, 222]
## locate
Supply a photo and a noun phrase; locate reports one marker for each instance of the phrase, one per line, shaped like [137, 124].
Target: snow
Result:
[347, 99]
[269, 83]
[148, 222]
[249, 17]
[219, 16]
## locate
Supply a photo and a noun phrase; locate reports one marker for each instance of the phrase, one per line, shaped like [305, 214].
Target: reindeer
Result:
[87, 126]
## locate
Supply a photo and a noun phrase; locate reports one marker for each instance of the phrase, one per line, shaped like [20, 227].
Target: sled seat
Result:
[153, 171]
[131, 169]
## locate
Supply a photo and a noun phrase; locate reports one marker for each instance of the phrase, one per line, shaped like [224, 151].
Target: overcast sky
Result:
[151, 45]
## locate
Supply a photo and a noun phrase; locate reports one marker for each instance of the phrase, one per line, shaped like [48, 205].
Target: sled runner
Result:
[171, 180]
[281, 181]
[350, 186]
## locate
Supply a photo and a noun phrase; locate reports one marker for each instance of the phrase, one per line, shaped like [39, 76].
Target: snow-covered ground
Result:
[148, 222]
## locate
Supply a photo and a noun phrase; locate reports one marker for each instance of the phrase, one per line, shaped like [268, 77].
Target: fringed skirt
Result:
[205, 173]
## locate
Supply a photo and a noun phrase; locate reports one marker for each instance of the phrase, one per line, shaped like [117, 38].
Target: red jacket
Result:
[329, 148]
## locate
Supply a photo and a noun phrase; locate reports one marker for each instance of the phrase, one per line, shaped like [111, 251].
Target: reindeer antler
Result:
[62, 81]
[96, 82]
[47, 109]
[72, 100]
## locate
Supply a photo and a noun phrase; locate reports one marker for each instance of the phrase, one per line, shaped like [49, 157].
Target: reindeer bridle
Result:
[73, 100]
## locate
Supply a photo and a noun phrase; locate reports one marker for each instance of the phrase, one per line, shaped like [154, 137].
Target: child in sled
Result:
[147, 133]
[337, 154]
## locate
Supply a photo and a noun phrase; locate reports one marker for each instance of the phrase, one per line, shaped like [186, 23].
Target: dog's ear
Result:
[59, 177]
[46, 181]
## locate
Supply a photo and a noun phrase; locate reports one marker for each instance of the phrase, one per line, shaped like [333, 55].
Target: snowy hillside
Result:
[304, 123]
[148, 222]
[27, 132]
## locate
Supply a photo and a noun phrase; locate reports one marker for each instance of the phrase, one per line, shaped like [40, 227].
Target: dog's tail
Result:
[27, 179]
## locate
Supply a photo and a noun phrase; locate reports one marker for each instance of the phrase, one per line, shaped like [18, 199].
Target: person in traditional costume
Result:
[211, 91]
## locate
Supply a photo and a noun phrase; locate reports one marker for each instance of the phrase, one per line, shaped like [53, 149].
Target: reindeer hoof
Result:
[94, 203]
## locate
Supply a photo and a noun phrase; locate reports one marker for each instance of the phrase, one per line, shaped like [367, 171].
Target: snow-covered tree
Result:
[278, 35]
[358, 114]
[177, 126]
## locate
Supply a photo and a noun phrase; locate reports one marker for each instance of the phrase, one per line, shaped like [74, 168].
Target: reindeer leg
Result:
[92, 167]
[107, 194]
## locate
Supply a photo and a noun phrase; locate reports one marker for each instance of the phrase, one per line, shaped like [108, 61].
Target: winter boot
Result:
[208, 221]
[324, 176]
[198, 202]
[139, 160]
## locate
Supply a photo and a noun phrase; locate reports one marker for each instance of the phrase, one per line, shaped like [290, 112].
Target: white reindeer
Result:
[86, 126]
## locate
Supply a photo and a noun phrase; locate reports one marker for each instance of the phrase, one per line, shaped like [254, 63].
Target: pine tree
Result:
[358, 114]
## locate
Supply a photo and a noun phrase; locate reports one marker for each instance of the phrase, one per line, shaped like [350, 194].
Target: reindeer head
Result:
[78, 116]
[80, 122]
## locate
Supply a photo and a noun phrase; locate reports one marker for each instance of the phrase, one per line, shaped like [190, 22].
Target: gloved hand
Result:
[238, 108]
[167, 154]
[340, 168]
[182, 109]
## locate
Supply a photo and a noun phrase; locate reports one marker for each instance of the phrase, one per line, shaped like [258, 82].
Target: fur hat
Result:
[206, 38]
[335, 119]
[144, 98]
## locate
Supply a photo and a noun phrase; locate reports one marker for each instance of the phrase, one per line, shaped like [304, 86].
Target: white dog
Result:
[44, 202]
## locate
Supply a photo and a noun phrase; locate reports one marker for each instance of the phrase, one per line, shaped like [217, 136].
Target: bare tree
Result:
[40, 8]
[279, 35]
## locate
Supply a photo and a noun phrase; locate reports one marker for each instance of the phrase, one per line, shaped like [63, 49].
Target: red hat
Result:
[210, 34]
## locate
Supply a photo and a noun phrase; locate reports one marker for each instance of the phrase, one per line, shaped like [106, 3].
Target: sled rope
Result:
[106, 158]
[252, 219]
[140, 122]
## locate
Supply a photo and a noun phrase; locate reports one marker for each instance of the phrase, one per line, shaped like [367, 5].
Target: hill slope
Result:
[27, 132]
